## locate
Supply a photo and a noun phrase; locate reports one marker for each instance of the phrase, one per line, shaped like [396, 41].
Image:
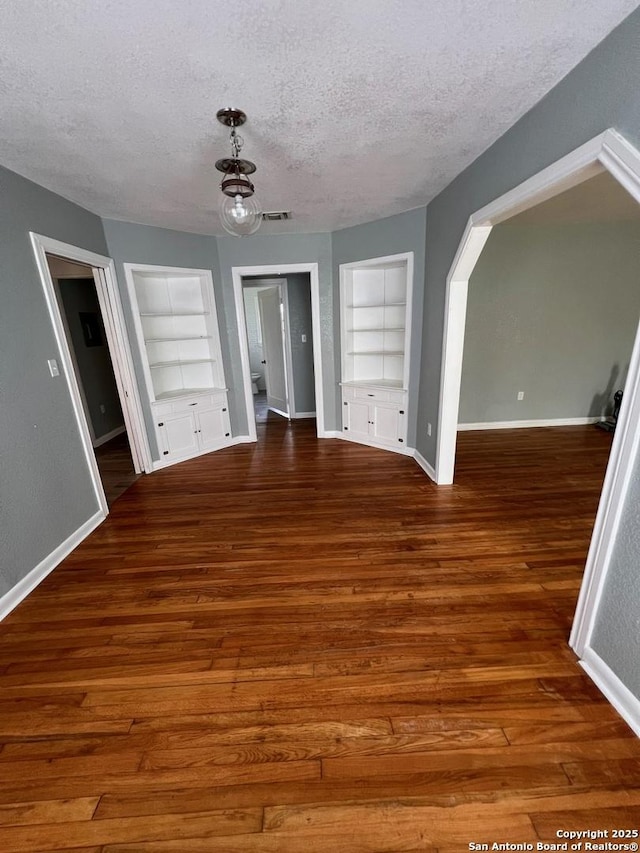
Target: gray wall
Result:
[552, 311]
[299, 293]
[93, 362]
[601, 92]
[286, 249]
[143, 244]
[45, 488]
[391, 236]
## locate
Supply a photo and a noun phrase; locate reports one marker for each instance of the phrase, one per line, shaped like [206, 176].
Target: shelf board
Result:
[379, 305]
[181, 362]
[393, 353]
[380, 329]
[395, 384]
[182, 338]
[186, 392]
[174, 313]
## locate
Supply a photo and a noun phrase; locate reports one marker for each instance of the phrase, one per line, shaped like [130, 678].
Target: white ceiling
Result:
[358, 109]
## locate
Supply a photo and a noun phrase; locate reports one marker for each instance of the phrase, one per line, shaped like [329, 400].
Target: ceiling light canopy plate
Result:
[236, 165]
[231, 117]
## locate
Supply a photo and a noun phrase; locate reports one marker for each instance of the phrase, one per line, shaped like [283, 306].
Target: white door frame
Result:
[104, 275]
[609, 151]
[271, 271]
[281, 285]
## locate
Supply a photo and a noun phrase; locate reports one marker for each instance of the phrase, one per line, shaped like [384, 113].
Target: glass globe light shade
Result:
[240, 216]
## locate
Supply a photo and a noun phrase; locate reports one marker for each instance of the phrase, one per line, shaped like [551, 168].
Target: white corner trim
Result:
[605, 679]
[429, 470]
[10, 600]
[103, 439]
[550, 422]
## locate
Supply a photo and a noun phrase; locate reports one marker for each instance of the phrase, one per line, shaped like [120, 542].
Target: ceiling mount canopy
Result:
[240, 212]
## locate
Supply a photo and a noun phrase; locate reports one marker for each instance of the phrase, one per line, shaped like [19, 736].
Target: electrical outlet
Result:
[304, 338]
[428, 429]
[103, 408]
[520, 395]
[54, 370]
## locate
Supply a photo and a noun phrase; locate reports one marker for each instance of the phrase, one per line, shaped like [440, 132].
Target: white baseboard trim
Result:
[605, 679]
[159, 464]
[304, 415]
[428, 469]
[553, 422]
[330, 433]
[403, 451]
[10, 600]
[242, 439]
[97, 442]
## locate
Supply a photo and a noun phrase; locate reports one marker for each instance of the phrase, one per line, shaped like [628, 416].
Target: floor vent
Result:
[276, 215]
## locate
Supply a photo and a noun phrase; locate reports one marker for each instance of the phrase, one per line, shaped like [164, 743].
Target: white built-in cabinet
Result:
[375, 315]
[179, 342]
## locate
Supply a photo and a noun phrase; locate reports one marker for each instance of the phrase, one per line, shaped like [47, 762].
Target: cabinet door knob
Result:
[401, 440]
[165, 452]
[346, 427]
[193, 404]
[226, 435]
[224, 410]
[263, 361]
[161, 424]
[401, 412]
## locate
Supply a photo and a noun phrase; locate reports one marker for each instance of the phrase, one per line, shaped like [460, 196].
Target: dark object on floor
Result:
[610, 423]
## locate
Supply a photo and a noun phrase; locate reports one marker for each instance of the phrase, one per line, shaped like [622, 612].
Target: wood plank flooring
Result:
[116, 467]
[305, 645]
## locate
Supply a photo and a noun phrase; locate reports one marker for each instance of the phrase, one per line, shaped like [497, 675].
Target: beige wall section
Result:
[552, 311]
[62, 268]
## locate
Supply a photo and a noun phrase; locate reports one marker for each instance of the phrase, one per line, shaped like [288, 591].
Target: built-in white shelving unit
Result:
[179, 343]
[375, 322]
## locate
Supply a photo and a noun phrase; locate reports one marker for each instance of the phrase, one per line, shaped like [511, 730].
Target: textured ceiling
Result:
[358, 109]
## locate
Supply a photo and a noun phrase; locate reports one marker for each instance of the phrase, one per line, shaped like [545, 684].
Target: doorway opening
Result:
[95, 360]
[277, 311]
[266, 308]
[86, 336]
[607, 152]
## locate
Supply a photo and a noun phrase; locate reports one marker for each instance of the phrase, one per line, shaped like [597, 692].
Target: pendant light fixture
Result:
[240, 212]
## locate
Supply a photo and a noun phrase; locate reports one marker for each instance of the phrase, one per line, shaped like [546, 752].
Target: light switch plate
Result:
[53, 367]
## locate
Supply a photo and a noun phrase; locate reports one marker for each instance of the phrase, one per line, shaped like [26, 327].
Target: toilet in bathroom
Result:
[254, 382]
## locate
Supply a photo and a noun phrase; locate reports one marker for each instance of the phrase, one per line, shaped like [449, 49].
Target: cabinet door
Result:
[356, 420]
[177, 435]
[213, 427]
[387, 424]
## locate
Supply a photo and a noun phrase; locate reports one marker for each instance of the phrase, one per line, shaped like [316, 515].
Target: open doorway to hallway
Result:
[279, 333]
[92, 363]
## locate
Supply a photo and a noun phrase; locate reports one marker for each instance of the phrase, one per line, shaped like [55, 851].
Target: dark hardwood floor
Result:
[305, 645]
[116, 467]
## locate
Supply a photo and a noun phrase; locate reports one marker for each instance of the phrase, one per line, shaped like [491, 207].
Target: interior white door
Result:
[271, 319]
